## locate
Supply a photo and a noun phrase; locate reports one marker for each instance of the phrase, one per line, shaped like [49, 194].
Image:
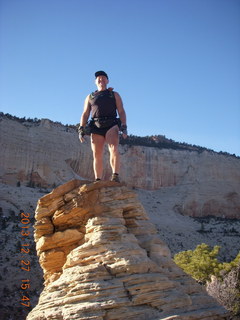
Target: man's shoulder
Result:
[92, 94]
[116, 94]
[87, 98]
[110, 89]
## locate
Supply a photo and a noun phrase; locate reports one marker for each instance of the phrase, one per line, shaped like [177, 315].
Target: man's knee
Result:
[113, 148]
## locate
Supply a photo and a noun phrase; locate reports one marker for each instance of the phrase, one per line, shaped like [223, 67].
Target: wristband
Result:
[123, 129]
[81, 131]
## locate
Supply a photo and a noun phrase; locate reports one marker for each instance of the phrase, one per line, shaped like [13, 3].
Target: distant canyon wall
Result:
[47, 154]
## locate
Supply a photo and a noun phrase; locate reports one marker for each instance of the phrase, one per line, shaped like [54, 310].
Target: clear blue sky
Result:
[176, 63]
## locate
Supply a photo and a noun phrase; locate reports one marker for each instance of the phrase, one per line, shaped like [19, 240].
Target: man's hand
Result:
[81, 134]
[123, 130]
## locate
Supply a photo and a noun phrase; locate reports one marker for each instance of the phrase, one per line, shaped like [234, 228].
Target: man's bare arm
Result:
[122, 114]
[84, 118]
[86, 112]
[120, 109]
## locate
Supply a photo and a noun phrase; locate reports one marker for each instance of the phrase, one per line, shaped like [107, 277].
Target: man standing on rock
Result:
[104, 126]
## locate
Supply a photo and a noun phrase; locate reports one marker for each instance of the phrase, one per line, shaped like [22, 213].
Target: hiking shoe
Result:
[115, 177]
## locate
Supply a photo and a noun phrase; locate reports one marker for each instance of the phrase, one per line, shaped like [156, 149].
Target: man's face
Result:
[101, 81]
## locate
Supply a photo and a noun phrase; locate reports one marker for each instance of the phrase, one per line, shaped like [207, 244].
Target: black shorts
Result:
[103, 131]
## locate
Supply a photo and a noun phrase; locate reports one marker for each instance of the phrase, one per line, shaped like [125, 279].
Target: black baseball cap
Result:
[101, 73]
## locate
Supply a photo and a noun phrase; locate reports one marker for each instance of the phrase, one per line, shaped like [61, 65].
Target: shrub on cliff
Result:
[222, 279]
[200, 263]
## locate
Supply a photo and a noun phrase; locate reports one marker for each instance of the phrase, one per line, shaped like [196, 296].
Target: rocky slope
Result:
[102, 260]
[48, 154]
[178, 231]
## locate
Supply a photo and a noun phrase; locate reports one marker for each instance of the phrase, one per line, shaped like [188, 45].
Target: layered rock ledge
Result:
[102, 260]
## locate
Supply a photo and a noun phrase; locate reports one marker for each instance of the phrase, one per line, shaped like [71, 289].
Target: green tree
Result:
[228, 266]
[200, 263]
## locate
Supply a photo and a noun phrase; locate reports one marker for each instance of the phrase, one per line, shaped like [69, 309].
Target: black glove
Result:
[123, 129]
[81, 132]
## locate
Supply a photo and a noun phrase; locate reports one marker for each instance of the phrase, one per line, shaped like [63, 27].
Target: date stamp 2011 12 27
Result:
[25, 261]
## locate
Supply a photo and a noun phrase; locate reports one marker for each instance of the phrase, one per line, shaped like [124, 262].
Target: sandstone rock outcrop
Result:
[102, 260]
[48, 154]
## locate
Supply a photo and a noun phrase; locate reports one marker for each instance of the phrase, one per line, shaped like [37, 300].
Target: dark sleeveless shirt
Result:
[103, 104]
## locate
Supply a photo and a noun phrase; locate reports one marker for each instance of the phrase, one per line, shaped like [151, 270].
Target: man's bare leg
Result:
[97, 144]
[112, 139]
